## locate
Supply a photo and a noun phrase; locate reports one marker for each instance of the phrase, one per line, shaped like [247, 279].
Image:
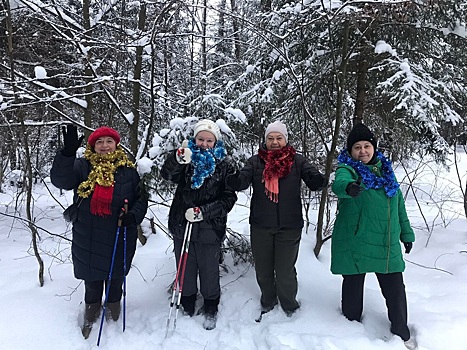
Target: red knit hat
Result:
[102, 132]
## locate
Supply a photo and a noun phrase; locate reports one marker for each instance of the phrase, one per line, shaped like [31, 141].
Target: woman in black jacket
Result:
[199, 169]
[101, 182]
[276, 220]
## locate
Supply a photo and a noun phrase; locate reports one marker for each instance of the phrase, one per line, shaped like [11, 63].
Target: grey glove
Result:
[183, 154]
[194, 214]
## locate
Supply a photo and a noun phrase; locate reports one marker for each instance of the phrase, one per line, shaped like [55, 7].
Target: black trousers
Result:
[95, 289]
[275, 251]
[393, 289]
[203, 260]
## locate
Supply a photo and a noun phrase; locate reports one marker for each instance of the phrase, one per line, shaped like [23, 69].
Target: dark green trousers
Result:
[275, 251]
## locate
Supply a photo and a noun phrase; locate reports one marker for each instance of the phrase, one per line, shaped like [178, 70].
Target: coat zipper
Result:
[389, 235]
[277, 214]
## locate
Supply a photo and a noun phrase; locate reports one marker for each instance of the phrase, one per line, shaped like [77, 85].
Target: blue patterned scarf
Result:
[371, 180]
[204, 161]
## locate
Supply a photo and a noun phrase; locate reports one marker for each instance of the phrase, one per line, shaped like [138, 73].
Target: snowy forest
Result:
[150, 69]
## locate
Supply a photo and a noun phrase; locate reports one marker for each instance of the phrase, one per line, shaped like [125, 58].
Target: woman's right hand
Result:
[183, 154]
[71, 141]
[354, 189]
[233, 180]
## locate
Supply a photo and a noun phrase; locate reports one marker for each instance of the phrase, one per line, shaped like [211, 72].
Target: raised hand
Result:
[71, 141]
[183, 154]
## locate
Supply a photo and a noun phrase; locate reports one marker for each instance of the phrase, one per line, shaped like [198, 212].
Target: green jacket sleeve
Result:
[407, 234]
[344, 176]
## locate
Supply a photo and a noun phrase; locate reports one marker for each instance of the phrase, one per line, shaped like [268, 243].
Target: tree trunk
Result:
[236, 30]
[361, 88]
[137, 85]
[340, 78]
[204, 48]
[28, 183]
[88, 70]
[465, 200]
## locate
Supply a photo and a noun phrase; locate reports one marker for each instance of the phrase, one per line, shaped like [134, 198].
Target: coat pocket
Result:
[70, 214]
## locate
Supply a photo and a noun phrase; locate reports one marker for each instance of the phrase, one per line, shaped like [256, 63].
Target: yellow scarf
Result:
[101, 178]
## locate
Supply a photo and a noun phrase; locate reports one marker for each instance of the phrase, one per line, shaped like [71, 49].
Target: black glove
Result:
[233, 181]
[408, 247]
[70, 140]
[128, 219]
[354, 189]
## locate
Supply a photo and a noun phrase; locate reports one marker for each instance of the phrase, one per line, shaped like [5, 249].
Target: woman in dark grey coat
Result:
[101, 182]
[276, 218]
[199, 169]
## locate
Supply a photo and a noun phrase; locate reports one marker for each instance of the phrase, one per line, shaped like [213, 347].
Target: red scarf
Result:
[278, 165]
[101, 200]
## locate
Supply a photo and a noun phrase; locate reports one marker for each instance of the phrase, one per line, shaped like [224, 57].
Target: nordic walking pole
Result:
[125, 208]
[182, 277]
[177, 276]
[107, 289]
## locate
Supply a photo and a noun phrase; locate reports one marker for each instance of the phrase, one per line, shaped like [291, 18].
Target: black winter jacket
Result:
[287, 213]
[213, 198]
[94, 236]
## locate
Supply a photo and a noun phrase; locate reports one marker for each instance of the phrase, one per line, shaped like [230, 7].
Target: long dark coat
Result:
[287, 212]
[94, 236]
[213, 198]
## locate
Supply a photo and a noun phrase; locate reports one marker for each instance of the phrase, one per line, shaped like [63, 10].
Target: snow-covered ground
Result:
[49, 317]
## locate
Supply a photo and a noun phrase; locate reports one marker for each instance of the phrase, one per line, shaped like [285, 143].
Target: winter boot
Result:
[210, 313]
[112, 311]
[188, 302]
[411, 344]
[290, 312]
[91, 313]
[266, 308]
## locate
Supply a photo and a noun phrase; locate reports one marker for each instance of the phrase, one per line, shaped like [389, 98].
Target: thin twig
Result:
[429, 268]
[37, 227]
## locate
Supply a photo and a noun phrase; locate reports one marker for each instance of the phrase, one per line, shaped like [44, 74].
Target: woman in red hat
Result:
[102, 180]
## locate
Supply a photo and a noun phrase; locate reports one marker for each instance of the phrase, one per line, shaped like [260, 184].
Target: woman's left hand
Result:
[408, 247]
[127, 219]
[194, 214]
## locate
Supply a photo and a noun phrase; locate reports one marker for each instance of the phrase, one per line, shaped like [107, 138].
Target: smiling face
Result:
[205, 139]
[275, 141]
[105, 145]
[363, 151]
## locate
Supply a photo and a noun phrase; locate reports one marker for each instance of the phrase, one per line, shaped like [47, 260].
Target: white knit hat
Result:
[279, 127]
[208, 125]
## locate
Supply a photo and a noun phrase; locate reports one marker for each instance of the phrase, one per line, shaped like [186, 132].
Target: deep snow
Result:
[49, 317]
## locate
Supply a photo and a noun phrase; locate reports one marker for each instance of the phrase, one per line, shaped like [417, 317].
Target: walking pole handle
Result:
[124, 211]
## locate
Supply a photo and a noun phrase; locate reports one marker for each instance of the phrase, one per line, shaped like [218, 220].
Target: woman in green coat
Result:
[370, 225]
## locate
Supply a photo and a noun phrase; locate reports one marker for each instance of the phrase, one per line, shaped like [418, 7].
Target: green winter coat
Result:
[368, 229]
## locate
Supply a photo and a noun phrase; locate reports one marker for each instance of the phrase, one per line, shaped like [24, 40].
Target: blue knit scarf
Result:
[371, 180]
[204, 161]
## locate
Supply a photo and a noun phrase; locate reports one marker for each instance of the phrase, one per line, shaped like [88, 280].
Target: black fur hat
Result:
[360, 132]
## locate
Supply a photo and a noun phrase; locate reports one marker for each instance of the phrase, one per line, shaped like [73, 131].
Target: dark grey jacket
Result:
[213, 198]
[94, 236]
[287, 213]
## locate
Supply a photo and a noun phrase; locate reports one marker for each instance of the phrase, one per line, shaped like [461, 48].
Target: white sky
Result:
[49, 317]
